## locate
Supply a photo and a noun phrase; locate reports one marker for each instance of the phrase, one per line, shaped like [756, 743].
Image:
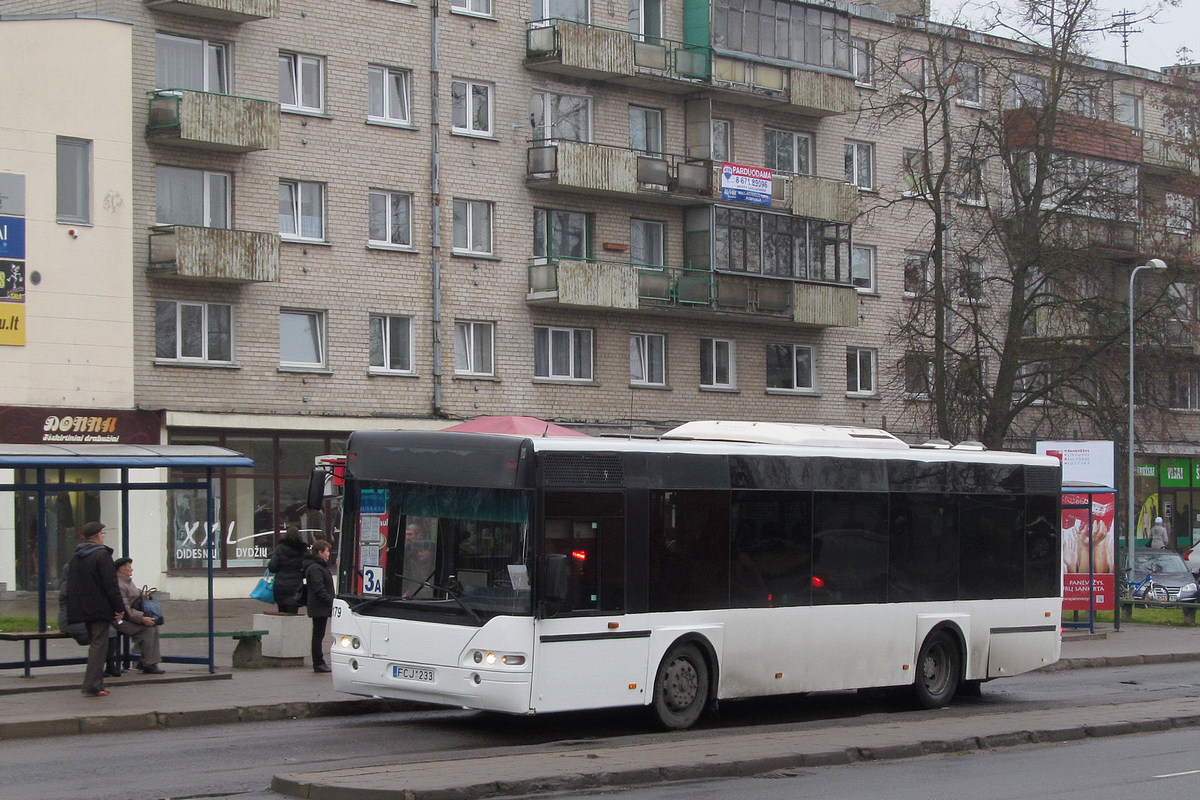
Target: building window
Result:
[573, 10]
[716, 364]
[201, 332]
[970, 182]
[790, 367]
[645, 19]
[564, 353]
[388, 95]
[860, 370]
[770, 244]
[1129, 110]
[560, 234]
[862, 267]
[860, 164]
[390, 218]
[472, 226]
[564, 117]
[648, 359]
[302, 339]
[473, 348]
[301, 82]
[302, 210]
[914, 177]
[196, 64]
[914, 66]
[74, 180]
[192, 197]
[1183, 388]
[722, 140]
[968, 83]
[918, 375]
[646, 242]
[1025, 90]
[480, 8]
[788, 151]
[646, 131]
[1083, 101]
[471, 107]
[390, 343]
[800, 33]
[862, 57]
[916, 273]
[971, 278]
[1181, 212]
[1032, 379]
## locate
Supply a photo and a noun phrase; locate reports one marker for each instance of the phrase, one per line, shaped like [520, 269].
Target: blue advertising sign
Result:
[12, 237]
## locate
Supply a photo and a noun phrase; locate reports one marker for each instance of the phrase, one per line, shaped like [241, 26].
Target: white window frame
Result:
[298, 69]
[912, 263]
[214, 64]
[651, 124]
[862, 58]
[1180, 212]
[913, 71]
[207, 312]
[1032, 377]
[860, 371]
[722, 133]
[380, 101]
[390, 202]
[964, 70]
[464, 93]
[918, 365]
[1128, 110]
[860, 159]
[383, 329]
[651, 251]
[1185, 397]
[552, 343]
[643, 370]
[312, 324]
[216, 209]
[474, 348]
[717, 356]
[546, 128]
[970, 182]
[862, 268]
[1025, 90]
[1085, 101]
[469, 237]
[801, 149]
[474, 8]
[73, 180]
[913, 167]
[301, 193]
[972, 280]
[560, 9]
[796, 386]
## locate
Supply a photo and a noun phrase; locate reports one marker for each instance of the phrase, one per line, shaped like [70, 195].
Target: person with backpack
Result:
[94, 598]
[318, 582]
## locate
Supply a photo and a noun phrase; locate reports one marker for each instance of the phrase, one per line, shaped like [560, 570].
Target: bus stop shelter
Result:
[39, 458]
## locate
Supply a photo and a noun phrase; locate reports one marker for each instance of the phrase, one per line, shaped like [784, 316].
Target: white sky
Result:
[1155, 47]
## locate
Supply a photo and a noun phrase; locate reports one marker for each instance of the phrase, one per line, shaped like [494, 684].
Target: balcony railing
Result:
[213, 121]
[215, 254]
[221, 10]
[580, 50]
[604, 169]
[1166, 154]
[815, 198]
[631, 286]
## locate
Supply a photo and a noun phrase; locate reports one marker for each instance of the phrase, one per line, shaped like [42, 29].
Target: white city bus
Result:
[723, 560]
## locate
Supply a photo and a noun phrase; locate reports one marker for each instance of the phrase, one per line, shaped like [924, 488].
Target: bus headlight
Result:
[492, 659]
[349, 642]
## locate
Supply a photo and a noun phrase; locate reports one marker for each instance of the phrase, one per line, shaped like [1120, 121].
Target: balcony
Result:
[214, 254]
[209, 121]
[637, 287]
[606, 170]
[1075, 134]
[803, 91]
[236, 11]
[816, 198]
[1166, 155]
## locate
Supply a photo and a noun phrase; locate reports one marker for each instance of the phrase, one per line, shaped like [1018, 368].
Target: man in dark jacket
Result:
[94, 598]
[318, 580]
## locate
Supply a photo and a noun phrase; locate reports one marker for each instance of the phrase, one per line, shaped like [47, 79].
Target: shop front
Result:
[1168, 487]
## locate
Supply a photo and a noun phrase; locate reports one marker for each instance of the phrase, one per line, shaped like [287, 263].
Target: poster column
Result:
[12, 259]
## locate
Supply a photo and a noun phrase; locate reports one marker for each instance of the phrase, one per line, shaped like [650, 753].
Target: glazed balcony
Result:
[236, 11]
[593, 52]
[214, 254]
[1166, 155]
[210, 121]
[628, 286]
[599, 169]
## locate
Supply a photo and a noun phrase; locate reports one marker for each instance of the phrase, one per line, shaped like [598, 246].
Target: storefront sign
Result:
[20, 425]
[746, 184]
[1083, 461]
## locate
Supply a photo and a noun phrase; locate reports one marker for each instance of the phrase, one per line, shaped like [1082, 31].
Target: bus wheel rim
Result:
[680, 684]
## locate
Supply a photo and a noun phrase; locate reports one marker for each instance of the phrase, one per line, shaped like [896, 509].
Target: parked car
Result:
[1173, 581]
[1192, 557]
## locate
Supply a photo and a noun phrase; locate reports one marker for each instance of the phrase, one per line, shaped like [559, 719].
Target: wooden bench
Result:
[30, 636]
[247, 654]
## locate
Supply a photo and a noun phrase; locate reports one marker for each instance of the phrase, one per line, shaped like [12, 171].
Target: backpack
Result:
[76, 630]
[301, 599]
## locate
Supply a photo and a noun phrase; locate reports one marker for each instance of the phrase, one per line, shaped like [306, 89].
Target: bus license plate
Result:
[413, 673]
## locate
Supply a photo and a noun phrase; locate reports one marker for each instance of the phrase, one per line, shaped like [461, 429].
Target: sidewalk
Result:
[49, 704]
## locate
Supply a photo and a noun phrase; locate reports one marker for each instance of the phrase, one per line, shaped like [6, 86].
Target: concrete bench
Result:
[247, 654]
[30, 636]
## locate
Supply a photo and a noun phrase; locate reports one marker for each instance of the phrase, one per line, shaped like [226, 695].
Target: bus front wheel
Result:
[939, 668]
[680, 687]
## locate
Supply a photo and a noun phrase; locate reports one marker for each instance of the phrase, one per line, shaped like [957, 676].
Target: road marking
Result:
[1177, 774]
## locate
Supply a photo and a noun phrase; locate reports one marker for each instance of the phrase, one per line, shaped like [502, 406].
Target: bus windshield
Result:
[451, 550]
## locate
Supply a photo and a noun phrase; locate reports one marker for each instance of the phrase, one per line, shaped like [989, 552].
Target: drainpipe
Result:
[435, 201]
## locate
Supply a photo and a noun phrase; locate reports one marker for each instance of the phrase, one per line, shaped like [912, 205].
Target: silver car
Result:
[1172, 581]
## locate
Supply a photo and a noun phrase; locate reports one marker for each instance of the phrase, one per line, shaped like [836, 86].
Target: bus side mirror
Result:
[316, 489]
[558, 578]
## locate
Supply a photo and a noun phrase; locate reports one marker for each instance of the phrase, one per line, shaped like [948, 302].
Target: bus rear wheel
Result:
[939, 668]
[680, 687]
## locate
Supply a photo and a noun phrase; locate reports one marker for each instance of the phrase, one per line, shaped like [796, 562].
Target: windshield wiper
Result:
[453, 594]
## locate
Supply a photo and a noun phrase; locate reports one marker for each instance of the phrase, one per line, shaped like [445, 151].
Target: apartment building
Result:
[371, 213]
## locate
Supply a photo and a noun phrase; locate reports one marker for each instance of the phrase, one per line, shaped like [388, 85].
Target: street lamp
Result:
[1130, 520]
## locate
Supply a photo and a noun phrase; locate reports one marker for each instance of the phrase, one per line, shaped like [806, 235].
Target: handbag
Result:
[149, 607]
[264, 590]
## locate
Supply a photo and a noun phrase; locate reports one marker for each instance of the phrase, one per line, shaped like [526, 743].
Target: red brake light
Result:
[818, 582]
[579, 555]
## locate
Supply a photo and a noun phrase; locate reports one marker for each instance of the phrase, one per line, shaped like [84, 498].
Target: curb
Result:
[305, 786]
[1119, 661]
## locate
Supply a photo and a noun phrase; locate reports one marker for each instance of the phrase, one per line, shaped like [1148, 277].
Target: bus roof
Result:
[793, 433]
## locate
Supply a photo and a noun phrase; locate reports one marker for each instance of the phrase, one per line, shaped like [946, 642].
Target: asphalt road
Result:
[239, 760]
